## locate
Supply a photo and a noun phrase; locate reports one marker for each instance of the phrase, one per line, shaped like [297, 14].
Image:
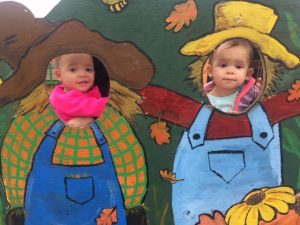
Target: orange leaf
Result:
[216, 219]
[294, 92]
[291, 218]
[107, 217]
[160, 133]
[168, 176]
[182, 14]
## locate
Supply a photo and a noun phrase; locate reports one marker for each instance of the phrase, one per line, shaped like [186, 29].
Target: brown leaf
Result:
[160, 132]
[182, 14]
[168, 176]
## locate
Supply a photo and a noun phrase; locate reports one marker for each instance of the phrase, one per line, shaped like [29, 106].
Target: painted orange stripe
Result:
[83, 153]
[130, 191]
[130, 168]
[123, 128]
[128, 157]
[130, 138]
[115, 134]
[131, 180]
[140, 162]
[122, 145]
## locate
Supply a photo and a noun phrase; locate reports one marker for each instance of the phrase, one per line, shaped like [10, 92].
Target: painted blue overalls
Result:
[219, 173]
[71, 195]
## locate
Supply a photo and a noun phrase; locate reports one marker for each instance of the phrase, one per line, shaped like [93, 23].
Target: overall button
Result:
[196, 136]
[263, 135]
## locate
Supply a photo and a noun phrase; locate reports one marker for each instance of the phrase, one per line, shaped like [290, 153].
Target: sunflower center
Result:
[256, 198]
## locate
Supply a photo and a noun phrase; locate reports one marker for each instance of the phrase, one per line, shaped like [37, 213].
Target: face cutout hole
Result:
[78, 88]
[232, 83]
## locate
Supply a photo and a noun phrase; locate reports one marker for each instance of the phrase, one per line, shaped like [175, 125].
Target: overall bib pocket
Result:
[79, 190]
[226, 164]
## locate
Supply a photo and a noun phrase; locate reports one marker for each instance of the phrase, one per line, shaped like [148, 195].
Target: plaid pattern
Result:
[74, 147]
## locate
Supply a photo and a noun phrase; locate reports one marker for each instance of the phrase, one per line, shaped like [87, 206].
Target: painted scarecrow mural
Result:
[149, 112]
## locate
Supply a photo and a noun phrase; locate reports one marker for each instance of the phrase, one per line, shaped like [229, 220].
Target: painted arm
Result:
[279, 108]
[182, 110]
[168, 105]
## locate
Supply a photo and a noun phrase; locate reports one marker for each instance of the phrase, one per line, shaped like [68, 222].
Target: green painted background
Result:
[142, 23]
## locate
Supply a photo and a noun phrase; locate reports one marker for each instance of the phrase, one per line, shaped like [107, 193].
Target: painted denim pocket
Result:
[79, 190]
[226, 164]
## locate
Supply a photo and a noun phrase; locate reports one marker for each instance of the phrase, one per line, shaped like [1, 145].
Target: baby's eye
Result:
[72, 69]
[239, 66]
[89, 69]
[223, 65]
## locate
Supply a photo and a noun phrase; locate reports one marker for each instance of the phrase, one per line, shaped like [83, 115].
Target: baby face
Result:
[230, 68]
[76, 72]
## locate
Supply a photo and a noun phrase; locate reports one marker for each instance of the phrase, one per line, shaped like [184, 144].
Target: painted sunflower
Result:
[261, 204]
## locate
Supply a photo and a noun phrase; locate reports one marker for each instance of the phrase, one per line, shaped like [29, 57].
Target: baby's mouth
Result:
[83, 82]
[228, 79]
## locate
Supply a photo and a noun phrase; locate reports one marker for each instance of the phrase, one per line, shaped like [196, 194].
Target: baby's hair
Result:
[233, 43]
[56, 61]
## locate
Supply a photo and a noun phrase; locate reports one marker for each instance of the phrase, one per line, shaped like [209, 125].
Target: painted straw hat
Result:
[241, 19]
[123, 61]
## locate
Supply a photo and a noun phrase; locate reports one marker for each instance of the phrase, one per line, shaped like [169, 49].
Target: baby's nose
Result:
[82, 73]
[230, 69]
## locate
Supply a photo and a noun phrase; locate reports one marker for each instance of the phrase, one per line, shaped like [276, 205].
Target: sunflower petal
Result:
[252, 217]
[239, 216]
[287, 197]
[278, 204]
[232, 211]
[280, 189]
[266, 212]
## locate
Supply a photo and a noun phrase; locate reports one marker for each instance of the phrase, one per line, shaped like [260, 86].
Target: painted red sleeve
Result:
[173, 107]
[279, 108]
[182, 110]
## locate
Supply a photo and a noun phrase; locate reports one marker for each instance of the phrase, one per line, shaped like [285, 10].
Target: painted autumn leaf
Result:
[294, 91]
[160, 132]
[182, 15]
[168, 176]
[216, 219]
[107, 217]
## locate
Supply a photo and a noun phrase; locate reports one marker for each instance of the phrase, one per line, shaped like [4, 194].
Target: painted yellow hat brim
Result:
[267, 45]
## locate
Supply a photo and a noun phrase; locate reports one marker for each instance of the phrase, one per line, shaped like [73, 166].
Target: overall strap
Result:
[56, 129]
[102, 142]
[196, 134]
[45, 151]
[262, 132]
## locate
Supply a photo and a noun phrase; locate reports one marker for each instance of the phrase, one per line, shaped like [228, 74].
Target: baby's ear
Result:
[209, 70]
[57, 74]
[249, 73]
